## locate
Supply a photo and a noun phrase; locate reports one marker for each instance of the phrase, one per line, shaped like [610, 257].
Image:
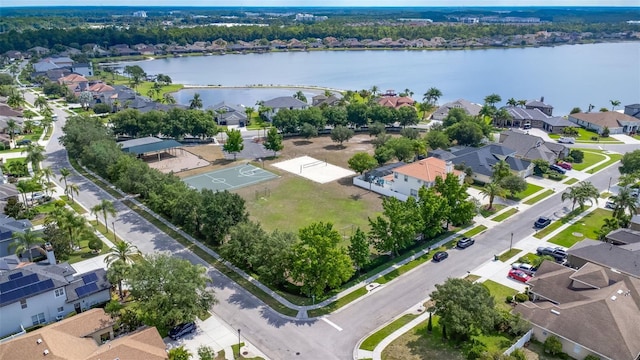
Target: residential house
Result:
[402, 180]
[623, 258]
[75, 82]
[469, 107]
[39, 50]
[52, 66]
[283, 102]
[635, 223]
[99, 87]
[616, 122]
[323, 100]
[123, 50]
[482, 159]
[396, 102]
[9, 226]
[540, 105]
[86, 336]
[536, 118]
[531, 147]
[632, 110]
[84, 69]
[229, 115]
[14, 55]
[594, 310]
[623, 237]
[123, 97]
[39, 293]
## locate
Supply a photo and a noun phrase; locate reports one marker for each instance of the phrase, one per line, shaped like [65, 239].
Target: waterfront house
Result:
[616, 122]
[282, 102]
[469, 107]
[226, 114]
[531, 147]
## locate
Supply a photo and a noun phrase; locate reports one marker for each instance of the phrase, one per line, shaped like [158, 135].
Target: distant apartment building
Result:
[141, 14]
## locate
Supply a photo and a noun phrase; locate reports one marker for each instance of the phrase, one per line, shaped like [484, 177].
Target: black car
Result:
[440, 255]
[182, 330]
[542, 222]
[465, 242]
[23, 142]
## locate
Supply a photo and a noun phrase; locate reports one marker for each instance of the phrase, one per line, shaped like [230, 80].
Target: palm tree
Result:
[23, 189]
[64, 174]
[624, 202]
[614, 103]
[26, 241]
[522, 103]
[375, 90]
[609, 225]
[500, 170]
[492, 99]
[41, 103]
[581, 193]
[68, 222]
[249, 111]
[35, 155]
[432, 95]
[196, 102]
[72, 188]
[15, 100]
[626, 180]
[106, 208]
[47, 173]
[571, 194]
[28, 126]
[46, 123]
[512, 102]
[492, 190]
[117, 272]
[12, 127]
[168, 99]
[486, 111]
[300, 96]
[122, 251]
[503, 116]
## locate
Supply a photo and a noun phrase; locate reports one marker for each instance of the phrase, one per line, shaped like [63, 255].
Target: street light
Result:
[511, 243]
[238, 342]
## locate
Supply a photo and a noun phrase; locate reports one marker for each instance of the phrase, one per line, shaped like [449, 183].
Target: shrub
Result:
[96, 244]
[521, 297]
[101, 108]
[509, 299]
[552, 345]
[595, 138]
[555, 176]
[476, 350]
[59, 203]
[519, 354]
[577, 155]
[605, 132]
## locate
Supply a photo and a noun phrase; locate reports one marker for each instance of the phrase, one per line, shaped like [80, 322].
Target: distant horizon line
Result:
[321, 6]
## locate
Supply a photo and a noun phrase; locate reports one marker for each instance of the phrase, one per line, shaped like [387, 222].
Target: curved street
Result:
[335, 336]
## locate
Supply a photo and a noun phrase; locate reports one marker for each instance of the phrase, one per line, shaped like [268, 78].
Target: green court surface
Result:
[230, 178]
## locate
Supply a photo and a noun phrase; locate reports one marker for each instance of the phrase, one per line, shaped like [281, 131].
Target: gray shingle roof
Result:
[617, 257]
[481, 160]
[525, 114]
[288, 102]
[624, 236]
[530, 147]
[558, 121]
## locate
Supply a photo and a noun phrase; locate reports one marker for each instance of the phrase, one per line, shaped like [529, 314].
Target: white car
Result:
[567, 140]
[526, 268]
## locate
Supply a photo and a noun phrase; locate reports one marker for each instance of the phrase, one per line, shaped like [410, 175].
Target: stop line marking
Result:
[331, 323]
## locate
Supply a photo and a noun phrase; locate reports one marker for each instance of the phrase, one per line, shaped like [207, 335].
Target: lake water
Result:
[567, 76]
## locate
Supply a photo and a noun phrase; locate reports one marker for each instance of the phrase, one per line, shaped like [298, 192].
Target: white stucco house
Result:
[618, 123]
[40, 293]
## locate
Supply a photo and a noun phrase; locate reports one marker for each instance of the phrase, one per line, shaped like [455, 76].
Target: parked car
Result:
[558, 169]
[23, 142]
[440, 255]
[182, 330]
[465, 242]
[526, 268]
[542, 222]
[37, 196]
[518, 275]
[567, 140]
[635, 192]
[564, 165]
[557, 253]
[610, 205]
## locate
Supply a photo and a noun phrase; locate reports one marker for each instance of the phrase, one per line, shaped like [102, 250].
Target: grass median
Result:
[539, 197]
[503, 216]
[372, 341]
[509, 254]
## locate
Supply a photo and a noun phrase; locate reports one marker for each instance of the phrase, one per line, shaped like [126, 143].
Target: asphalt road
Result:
[282, 338]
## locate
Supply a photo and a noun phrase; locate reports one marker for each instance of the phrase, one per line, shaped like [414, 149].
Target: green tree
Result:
[196, 102]
[168, 99]
[624, 202]
[514, 184]
[500, 170]
[630, 162]
[85, 98]
[397, 227]
[341, 134]
[359, 249]
[403, 148]
[432, 95]
[463, 307]
[461, 210]
[272, 257]
[26, 241]
[308, 131]
[241, 242]
[179, 353]
[433, 210]
[492, 99]
[361, 162]
[105, 207]
[357, 114]
[492, 190]
[376, 129]
[35, 155]
[117, 272]
[578, 155]
[122, 251]
[12, 128]
[407, 115]
[541, 166]
[41, 103]
[437, 139]
[300, 96]
[273, 141]
[581, 193]
[466, 133]
[575, 110]
[136, 74]
[234, 143]
[319, 262]
[95, 244]
[220, 211]
[552, 345]
[614, 103]
[169, 290]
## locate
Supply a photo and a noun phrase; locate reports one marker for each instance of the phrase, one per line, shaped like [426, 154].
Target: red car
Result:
[564, 165]
[518, 275]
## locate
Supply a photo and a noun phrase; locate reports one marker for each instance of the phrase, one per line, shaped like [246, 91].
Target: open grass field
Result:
[556, 224]
[583, 228]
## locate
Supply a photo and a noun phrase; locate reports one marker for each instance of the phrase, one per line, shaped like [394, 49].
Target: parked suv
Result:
[440, 255]
[542, 222]
[558, 169]
[526, 268]
[557, 253]
[182, 330]
[567, 140]
[465, 242]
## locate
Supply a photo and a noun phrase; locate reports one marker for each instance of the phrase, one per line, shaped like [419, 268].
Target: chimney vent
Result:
[39, 341]
[45, 352]
[613, 298]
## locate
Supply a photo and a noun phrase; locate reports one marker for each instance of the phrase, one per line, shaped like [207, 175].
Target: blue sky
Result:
[236, 3]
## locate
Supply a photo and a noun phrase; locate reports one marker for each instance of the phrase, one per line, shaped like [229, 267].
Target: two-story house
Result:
[40, 293]
[226, 114]
[283, 102]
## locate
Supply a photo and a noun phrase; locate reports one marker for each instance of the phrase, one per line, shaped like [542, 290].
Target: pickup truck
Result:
[557, 253]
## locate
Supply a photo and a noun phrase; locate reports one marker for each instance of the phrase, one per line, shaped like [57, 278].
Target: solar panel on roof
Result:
[87, 289]
[26, 291]
[18, 282]
[90, 278]
[15, 276]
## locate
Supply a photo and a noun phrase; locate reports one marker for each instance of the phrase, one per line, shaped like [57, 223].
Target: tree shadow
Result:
[302, 142]
[334, 147]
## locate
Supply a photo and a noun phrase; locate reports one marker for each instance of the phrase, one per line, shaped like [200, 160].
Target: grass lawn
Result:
[591, 157]
[613, 158]
[236, 353]
[505, 215]
[372, 341]
[47, 136]
[605, 195]
[583, 228]
[472, 277]
[539, 197]
[530, 190]
[298, 202]
[35, 135]
[570, 181]
[509, 254]
[500, 293]
[475, 231]
[14, 150]
[585, 135]
[83, 254]
[556, 224]
[528, 258]
[496, 207]
[74, 205]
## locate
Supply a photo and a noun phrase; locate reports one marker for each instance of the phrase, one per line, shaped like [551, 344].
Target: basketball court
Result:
[313, 169]
[230, 178]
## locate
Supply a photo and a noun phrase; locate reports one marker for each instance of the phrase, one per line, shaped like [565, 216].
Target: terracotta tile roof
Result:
[100, 87]
[396, 101]
[70, 339]
[73, 78]
[610, 119]
[426, 169]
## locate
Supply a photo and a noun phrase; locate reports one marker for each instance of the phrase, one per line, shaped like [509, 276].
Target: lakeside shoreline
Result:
[263, 86]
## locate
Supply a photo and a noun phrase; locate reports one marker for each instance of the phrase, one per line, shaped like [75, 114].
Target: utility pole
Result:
[511, 243]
